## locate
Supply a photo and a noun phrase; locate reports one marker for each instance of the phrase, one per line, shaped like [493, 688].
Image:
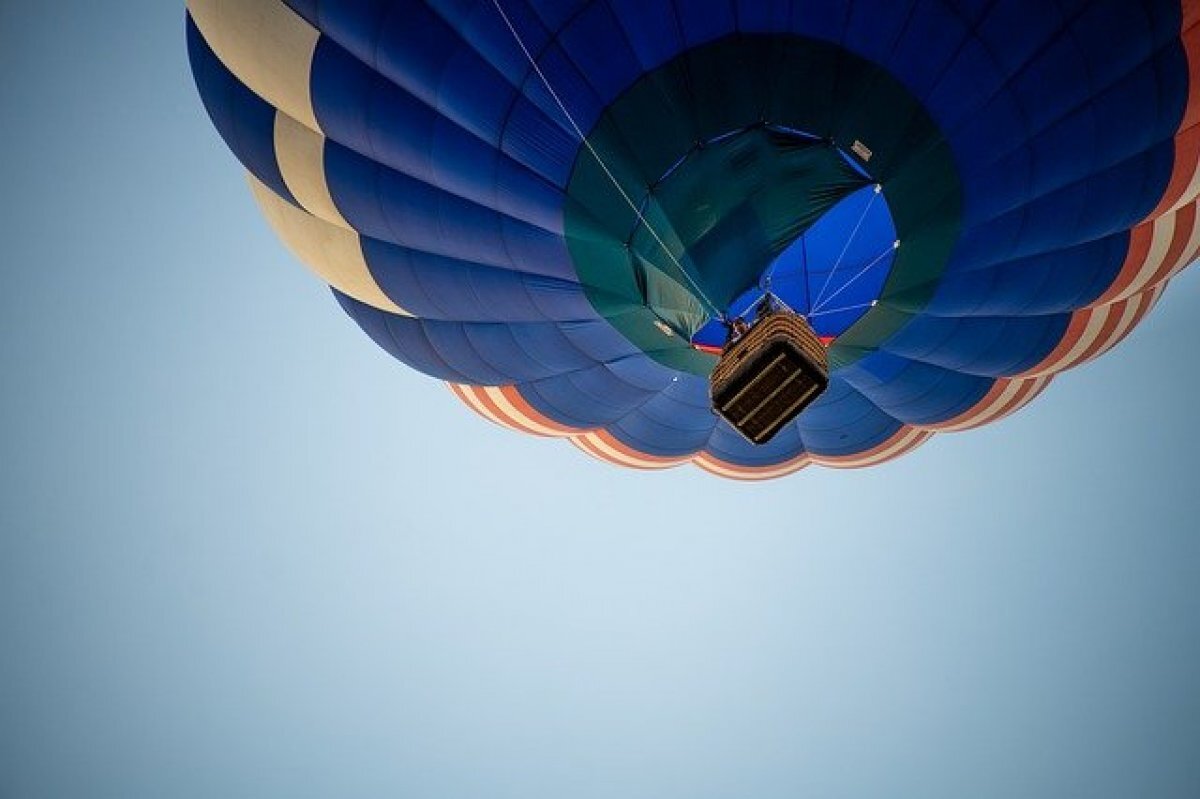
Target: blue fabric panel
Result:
[844, 422]
[704, 20]
[651, 28]
[592, 398]
[434, 287]
[912, 391]
[728, 445]
[490, 353]
[241, 117]
[762, 16]
[672, 422]
[370, 115]
[387, 205]
[985, 346]
[1049, 283]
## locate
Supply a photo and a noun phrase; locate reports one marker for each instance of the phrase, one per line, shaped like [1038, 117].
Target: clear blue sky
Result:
[244, 554]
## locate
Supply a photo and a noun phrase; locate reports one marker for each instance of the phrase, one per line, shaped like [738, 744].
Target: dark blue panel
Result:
[434, 287]
[915, 392]
[390, 206]
[985, 346]
[245, 122]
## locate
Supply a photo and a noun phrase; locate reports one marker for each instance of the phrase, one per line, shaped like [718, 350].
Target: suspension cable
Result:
[817, 303]
[616, 184]
[861, 272]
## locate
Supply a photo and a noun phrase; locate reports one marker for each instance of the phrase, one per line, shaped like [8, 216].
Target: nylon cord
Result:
[616, 184]
[817, 303]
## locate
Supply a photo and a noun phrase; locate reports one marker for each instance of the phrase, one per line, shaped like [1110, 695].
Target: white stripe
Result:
[1096, 319]
[468, 398]
[502, 402]
[1128, 317]
[1160, 244]
[267, 45]
[979, 416]
[620, 457]
[1190, 251]
[1193, 188]
[751, 473]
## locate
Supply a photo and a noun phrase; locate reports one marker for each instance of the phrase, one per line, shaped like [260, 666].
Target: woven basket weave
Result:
[768, 376]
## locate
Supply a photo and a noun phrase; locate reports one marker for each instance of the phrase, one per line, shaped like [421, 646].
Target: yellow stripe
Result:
[267, 45]
[300, 153]
[332, 252]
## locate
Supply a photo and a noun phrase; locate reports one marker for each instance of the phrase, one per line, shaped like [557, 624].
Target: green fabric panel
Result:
[725, 209]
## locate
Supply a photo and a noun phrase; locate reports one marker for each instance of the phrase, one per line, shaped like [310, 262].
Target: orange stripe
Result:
[1177, 258]
[721, 468]
[1148, 300]
[602, 445]
[867, 458]
[1140, 238]
[1074, 332]
[513, 395]
[977, 411]
[467, 397]
[661, 461]
[506, 418]
[1187, 163]
[1115, 311]
[1024, 396]
[1187, 140]
[586, 446]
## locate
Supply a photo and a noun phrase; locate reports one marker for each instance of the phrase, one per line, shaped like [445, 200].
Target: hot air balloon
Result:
[563, 207]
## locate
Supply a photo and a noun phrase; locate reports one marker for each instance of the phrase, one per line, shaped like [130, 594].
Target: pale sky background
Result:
[245, 554]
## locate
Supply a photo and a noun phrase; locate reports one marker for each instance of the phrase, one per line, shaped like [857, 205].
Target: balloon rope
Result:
[861, 272]
[578, 132]
[870, 304]
[817, 303]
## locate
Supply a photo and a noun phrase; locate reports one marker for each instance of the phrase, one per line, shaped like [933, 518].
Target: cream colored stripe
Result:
[1190, 193]
[588, 448]
[1189, 251]
[1160, 244]
[468, 398]
[980, 415]
[747, 472]
[1039, 385]
[620, 457]
[1135, 311]
[502, 402]
[332, 252]
[1129, 315]
[267, 45]
[1096, 319]
[300, 153]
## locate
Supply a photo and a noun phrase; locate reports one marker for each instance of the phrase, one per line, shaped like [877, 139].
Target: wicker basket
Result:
[768, 376]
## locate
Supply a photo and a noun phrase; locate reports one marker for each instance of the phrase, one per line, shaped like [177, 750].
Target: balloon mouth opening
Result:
[832, 274]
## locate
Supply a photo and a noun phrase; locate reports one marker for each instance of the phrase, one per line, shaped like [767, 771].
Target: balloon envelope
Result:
[547, 203]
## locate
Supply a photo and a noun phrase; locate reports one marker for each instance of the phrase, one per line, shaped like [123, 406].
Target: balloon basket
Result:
[769, 375]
